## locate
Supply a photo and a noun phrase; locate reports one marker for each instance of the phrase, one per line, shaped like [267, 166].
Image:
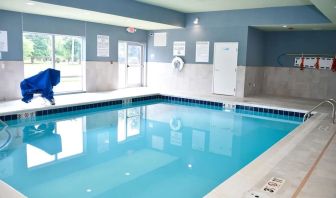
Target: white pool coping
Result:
[6, 191]
[248, 179]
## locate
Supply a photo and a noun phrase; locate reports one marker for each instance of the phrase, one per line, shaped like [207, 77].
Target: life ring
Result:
[177, 63]
[175, 124]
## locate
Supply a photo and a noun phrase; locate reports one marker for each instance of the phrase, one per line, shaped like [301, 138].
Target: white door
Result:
[225, 67]
[134, 64]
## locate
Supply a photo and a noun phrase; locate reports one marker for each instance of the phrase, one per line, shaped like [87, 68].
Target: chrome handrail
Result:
[3, 123]
[8, 141]
[331, 101]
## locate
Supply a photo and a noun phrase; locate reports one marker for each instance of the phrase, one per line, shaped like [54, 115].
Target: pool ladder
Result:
[8, 141]
[331, 101]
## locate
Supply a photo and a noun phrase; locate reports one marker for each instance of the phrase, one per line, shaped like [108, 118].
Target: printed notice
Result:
[103, 46]
[179, 48]
[3, 41]
[202, 51]
[160, 39]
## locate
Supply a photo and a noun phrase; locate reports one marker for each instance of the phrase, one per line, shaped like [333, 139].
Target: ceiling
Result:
[34, 7]
[298, 27]
[189, 6]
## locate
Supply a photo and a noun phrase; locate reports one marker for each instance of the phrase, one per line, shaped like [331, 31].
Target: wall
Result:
[194, 78]
[290, 81]
[101, 74]
[255, 47]
[223, 26]
[311, 42]
[198, 33]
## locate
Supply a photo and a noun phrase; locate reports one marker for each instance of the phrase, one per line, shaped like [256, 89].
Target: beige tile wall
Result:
[11, 74]
[253, 81]
[194, 78]
[277, 81]
[102, 76]
[309, 83]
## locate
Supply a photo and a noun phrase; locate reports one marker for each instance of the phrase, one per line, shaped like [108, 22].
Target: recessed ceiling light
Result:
[30, 3]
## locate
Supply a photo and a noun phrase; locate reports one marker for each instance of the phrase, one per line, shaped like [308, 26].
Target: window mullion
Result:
[53, 52]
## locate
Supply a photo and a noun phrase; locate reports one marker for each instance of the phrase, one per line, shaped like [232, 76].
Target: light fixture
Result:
[189, 165]
[88, 190]
[30, 3]
[196, 21]
[127, 174]
[284, 26]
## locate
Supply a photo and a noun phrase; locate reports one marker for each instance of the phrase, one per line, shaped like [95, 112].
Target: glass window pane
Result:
[134, 55]
[37, 53]
[68, 59]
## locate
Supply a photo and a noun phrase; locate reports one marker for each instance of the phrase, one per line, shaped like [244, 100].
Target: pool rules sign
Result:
[103, 46]
[3, 41]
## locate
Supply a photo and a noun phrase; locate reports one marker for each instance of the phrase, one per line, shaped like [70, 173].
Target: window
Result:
[61, 52]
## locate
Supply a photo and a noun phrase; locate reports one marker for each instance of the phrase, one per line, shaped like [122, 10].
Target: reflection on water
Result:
[53, 141]
[128, 123]
[157, 150]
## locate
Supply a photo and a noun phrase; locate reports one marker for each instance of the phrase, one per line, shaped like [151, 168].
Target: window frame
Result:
[53, 57]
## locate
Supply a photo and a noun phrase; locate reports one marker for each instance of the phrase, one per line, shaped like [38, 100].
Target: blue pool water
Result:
[153, 149]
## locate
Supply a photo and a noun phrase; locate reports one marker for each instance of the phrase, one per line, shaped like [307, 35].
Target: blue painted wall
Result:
[53, 25]
[312, 42]
[13, 22]
[226, 26]
[198, 33]
[255, 47]
[115, 33]
[127, 8]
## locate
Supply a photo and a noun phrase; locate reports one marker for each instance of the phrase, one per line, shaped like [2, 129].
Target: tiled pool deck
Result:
[304, 158]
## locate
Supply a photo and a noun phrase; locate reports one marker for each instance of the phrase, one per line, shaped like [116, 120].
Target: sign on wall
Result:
[103, 46]
[179, 48]
[202, 51]
[160, 39]
[3, 41]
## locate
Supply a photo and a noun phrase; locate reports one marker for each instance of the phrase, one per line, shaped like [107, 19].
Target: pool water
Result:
[153, 149]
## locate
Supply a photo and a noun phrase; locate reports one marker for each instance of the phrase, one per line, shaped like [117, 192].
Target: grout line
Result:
[312, 168]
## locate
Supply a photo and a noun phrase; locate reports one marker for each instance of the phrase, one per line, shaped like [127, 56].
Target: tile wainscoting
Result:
[102, 76]
[11, 74]
[275, 81]
[194, 78]
[309, 83]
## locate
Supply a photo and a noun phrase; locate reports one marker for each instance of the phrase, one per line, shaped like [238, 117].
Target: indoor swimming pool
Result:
[154, 148]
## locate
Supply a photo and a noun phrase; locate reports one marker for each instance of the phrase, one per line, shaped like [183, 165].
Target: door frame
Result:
[213, 70]
[142, 45]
